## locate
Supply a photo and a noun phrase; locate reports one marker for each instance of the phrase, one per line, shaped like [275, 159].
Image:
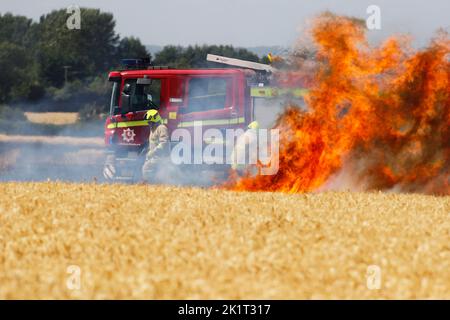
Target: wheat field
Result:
[59, 118]
[160, 242]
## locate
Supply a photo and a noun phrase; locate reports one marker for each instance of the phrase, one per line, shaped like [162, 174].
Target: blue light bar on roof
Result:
[136, 63]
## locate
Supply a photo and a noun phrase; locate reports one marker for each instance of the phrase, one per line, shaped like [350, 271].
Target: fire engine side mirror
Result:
[125, 99]
[126, 89]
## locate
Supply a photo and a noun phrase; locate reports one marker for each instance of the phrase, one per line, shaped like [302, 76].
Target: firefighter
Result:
[158, 144]
[248, 138]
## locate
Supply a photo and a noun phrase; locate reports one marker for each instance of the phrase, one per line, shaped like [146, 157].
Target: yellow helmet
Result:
[153, 116]
[253, 125]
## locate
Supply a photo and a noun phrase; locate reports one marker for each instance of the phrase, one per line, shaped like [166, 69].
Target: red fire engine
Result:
[218, 98]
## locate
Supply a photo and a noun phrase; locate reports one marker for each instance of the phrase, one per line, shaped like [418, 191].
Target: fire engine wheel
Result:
[109, 172]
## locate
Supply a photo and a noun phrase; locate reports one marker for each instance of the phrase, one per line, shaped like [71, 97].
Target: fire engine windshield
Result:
[144, 96]
[115, 97]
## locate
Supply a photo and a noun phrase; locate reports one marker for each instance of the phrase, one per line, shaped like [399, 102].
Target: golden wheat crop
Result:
[59, 118]
[167, 242]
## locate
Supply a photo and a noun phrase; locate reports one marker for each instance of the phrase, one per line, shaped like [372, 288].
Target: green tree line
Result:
[48, 66]
[38, 58]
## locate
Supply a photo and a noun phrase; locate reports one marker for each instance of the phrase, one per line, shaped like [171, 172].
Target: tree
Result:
[87, 51]
[18, 73]
[17, 68]
[35, 58]
[16, 30]
[130, 47]
[195, 56]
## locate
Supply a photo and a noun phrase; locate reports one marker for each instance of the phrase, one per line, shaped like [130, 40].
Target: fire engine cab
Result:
[216, 98]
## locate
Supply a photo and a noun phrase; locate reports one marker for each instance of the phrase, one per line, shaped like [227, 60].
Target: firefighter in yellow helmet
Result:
[158, 144]
[253, 125]
[249, 139]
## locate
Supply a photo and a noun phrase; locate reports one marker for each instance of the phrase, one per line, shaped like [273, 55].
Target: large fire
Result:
[376, 118]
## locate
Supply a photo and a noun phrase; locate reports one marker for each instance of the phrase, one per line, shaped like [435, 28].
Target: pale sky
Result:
[245, 22]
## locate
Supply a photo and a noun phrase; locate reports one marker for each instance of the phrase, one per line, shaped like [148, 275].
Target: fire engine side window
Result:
[144, 96]
[207, 94]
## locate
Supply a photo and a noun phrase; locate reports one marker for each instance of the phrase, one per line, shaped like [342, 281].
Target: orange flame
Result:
[382, 115]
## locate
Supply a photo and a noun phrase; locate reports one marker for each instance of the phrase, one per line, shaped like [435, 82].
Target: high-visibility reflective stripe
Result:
[125, 124]
[184, 124]
[270, 92]
[172, 115]
[212, 122]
